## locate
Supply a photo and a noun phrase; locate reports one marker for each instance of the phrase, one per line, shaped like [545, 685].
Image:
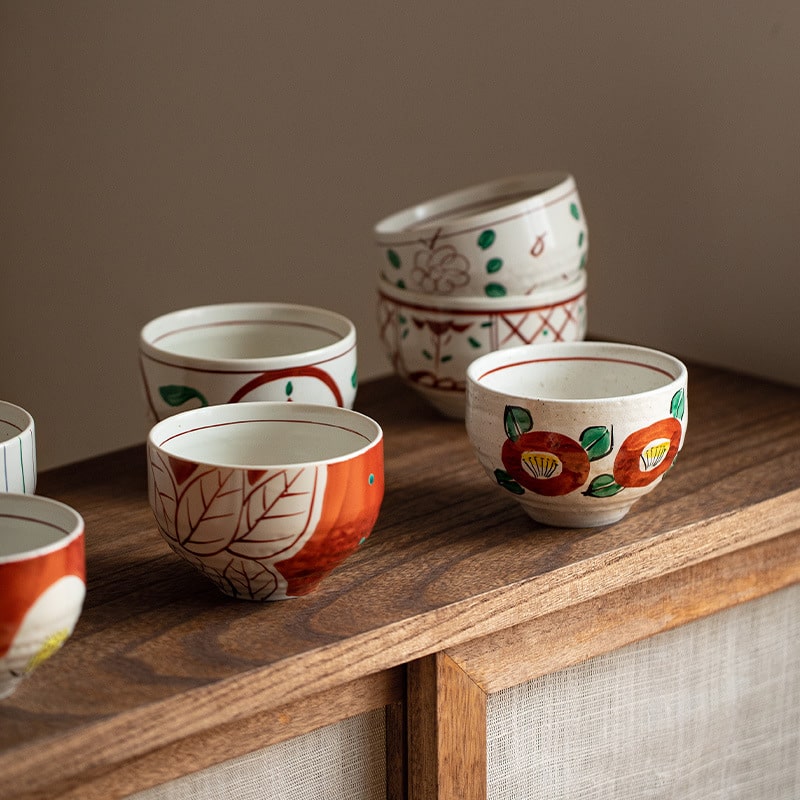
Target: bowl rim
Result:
[538, 190]
[23, 422]
[671, 366]
[51, 513]
[159, 327]
[170, 427]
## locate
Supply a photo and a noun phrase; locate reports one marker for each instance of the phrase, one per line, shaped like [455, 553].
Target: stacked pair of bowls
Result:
[490, 267]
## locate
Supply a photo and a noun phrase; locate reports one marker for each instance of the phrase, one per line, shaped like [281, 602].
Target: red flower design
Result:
[647, 453]
[547, 463]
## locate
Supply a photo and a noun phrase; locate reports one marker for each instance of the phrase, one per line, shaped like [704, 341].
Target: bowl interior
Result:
[246, 339]
[29, 525]
[283, 435]
[577, 376]
[13, 421]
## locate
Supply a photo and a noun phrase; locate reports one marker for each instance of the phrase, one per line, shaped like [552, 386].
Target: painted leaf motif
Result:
[163, 493]
[678, 405]
[486, 239]
[208, 510]
[507, 482]
[279, 513]
[517, 420]
[174, 395]
[597, 441]
[251, 579]
[603, 486]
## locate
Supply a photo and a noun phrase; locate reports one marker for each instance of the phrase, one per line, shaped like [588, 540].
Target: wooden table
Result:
[164, 675]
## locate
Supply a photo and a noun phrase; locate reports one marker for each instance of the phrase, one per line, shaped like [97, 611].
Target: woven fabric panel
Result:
[708, 711]
[344, 760]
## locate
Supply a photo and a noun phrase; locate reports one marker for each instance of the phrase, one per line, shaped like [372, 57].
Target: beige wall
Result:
[155, 155]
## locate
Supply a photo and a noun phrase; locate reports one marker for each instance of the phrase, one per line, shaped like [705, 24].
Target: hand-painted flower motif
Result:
[647, 453]
[546, 462]
[440, 270]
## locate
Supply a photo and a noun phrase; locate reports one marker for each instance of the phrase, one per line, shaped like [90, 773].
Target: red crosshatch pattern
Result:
[416, 339]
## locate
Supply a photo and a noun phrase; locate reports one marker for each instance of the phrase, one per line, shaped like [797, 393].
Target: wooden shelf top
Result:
[160, 654]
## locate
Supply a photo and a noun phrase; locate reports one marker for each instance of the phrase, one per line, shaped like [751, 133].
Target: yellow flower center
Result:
[655, 452]
[50, 645]
[540, 464]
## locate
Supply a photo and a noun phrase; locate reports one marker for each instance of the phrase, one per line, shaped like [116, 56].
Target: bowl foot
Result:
[575, 518]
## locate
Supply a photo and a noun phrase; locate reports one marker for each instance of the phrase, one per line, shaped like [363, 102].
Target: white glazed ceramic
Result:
[17, 450]
[42, 582]
[432, 340]
[576, 432]
[235, 352]
[501, 238]
[265, 498]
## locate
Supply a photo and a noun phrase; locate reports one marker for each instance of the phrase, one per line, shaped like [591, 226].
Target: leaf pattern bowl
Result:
[265, 498]
[431, 340]
[42, 582]
[576, 432]
[497, 239]
[239, 352]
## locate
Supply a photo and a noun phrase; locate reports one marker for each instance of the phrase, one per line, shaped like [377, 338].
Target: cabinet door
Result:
[345, 759]
[674, 687]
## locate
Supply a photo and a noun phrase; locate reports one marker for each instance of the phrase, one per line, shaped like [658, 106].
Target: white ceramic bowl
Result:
[501, 238]
[265, 498]
[576, 432]
[17, 450]
[42, 580]
[431, 341]
[235, 352]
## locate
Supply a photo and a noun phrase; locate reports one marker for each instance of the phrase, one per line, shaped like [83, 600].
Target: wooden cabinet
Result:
[457, 595]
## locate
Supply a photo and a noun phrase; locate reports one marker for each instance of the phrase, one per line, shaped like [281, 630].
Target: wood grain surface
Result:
[159, 655]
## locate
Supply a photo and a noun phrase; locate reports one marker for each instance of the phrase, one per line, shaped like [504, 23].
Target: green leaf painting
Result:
[597, 441]
[486, 239]
[175, 396]
[507, 482]
[678, 405]
[517, 421]
[603, 486]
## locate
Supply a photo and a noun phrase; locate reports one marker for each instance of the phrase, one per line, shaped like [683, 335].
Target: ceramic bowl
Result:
[265, 498]
[43, 580]
[17, 450]
[501, 238]
[431, 341]
[576, 432]
[234, 352]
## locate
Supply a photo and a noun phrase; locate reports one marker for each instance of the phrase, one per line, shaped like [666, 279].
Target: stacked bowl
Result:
[493, 266]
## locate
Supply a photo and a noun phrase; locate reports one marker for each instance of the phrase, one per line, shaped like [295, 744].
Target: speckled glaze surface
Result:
[241, 352]
[577, 432]
[431, 341]
[43, 582]
[506, 237]
[265, 498]
[17, 449]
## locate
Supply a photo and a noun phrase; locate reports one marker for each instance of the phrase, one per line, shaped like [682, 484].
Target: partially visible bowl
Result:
[500, 238]
[265, 498]
[17, 449]
[43, 580]
[431, 341]
[577, 432]
[236, 352]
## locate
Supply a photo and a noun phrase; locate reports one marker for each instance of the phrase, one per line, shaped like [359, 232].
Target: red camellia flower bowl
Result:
[576, 432]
